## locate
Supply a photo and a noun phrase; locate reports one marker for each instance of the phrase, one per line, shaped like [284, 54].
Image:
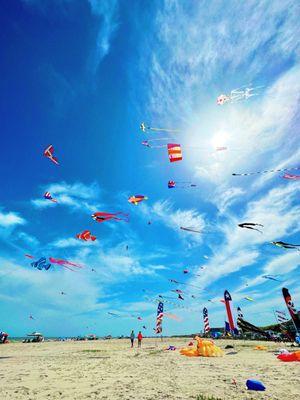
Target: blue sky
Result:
[82, 75]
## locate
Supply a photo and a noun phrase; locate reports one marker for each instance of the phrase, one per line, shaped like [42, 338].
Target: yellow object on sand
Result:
[260, 348]
[205, 348]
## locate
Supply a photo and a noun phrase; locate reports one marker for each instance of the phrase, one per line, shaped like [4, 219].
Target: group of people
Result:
[139, 338]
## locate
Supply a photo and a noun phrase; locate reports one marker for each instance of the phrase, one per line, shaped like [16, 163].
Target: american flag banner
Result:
[160, 314]
[205, 320]
[174, 151]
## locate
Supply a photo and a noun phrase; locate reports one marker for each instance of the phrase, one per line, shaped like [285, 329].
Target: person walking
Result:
[132, 336]
[140, 338]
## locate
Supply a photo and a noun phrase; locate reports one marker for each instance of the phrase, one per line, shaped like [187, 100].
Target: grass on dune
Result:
[203, 397]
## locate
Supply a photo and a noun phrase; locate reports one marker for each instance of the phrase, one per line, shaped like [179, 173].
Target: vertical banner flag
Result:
[292, 309]
[228, 299]
[174, 152]
[205, 320]
[160, 314]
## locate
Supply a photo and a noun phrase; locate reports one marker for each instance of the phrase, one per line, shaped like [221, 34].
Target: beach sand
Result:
[111, 370]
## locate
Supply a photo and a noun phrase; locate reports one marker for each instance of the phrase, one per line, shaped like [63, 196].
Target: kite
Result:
[139, 318]
[286, 245]
[174, 152]
[248, 298]
[31, 317]
[291, 177]
[177, 291]
[86, 236]
[267, 171]
[271, 277]
[28, 256]
[145, 128]
[64, 263]
[104, 216]
[185, 271]
[41, 264]
[113, 314]
[180, 185]
[63, 293]
[190, 229]
[250, 225]
[180, 297]
[243, 93]
[138, 198]
[48, 152]
[48, 196]
[144, 327]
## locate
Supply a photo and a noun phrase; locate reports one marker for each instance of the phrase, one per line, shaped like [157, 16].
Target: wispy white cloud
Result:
[11, 219]
[174, 218]
[107, 11]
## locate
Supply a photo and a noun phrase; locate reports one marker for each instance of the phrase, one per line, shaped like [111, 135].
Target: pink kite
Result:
[291, 177]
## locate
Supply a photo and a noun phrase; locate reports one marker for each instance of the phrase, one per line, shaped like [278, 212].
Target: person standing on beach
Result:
[140, 337]
[132, 336]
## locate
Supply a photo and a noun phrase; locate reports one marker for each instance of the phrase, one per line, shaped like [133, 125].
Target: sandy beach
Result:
[111, 370]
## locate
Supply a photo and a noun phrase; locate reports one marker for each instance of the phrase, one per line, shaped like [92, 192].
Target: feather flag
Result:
[292, 309]
[159, 317]
[205, 320]
[174, 152]
[227, 300]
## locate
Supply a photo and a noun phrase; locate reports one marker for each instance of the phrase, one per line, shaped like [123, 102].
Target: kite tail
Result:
[163, 130]
[126, 216]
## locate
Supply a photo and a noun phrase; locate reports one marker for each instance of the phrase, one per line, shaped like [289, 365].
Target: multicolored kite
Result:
[174, 152]
[48, 196]
[286, 245]
[104, 216]
[48, 152]
[86, 236]
[136, 199]
[243, 93]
